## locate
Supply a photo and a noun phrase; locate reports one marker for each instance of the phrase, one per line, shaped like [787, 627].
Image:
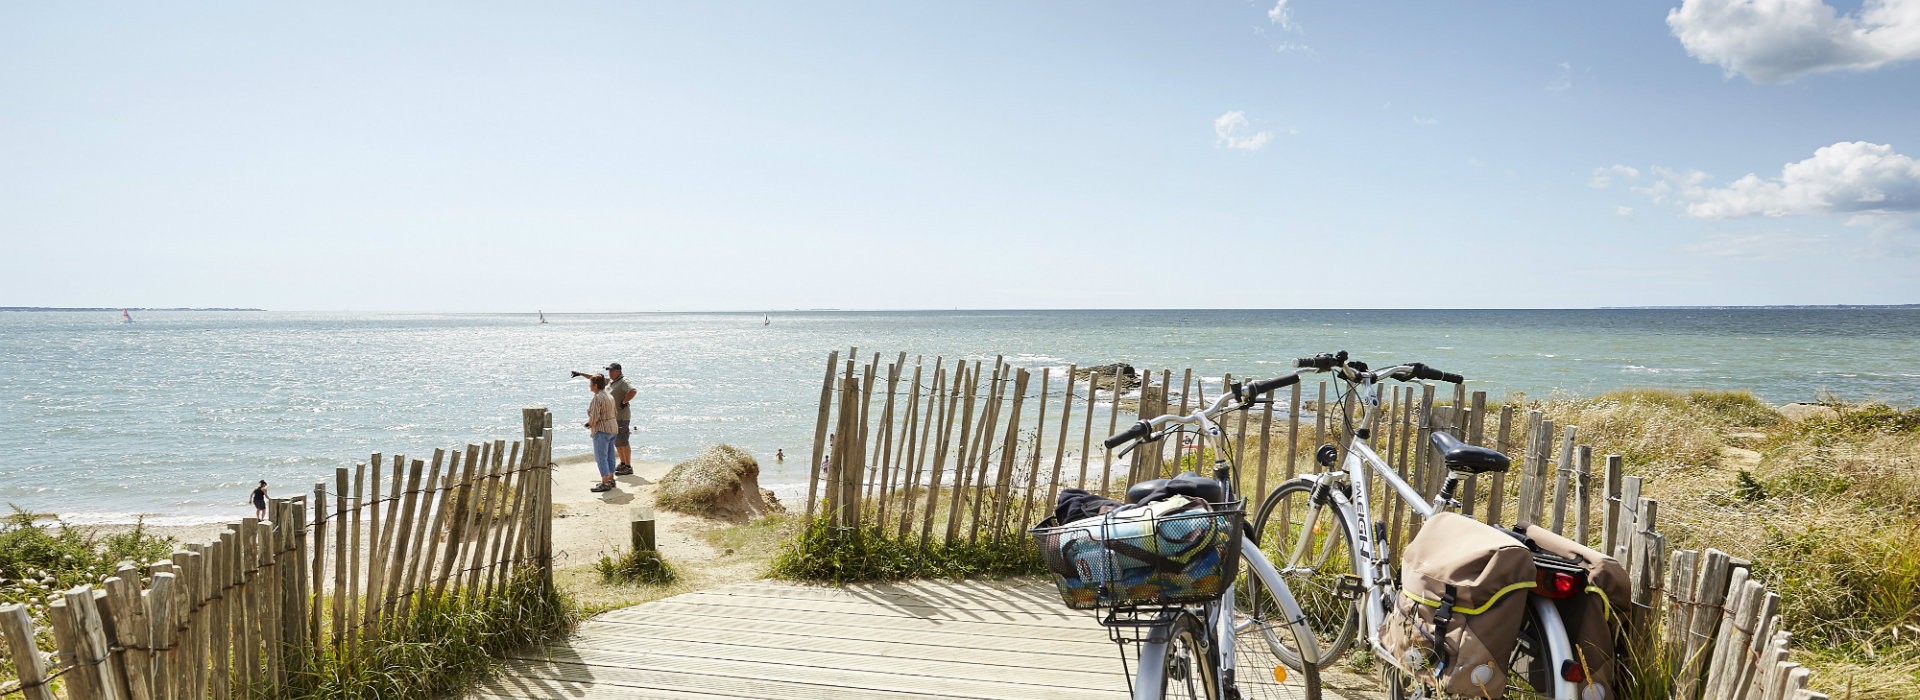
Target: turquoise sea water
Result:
[175, 416]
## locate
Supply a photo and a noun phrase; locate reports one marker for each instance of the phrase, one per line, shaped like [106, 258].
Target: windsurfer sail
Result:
[543, 316]
[127, 317]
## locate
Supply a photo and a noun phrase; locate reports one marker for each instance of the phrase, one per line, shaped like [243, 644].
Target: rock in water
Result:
[1102, 376]
[722, 482]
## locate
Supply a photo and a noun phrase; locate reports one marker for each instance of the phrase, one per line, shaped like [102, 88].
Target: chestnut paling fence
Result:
[939, 452]
[326, 576]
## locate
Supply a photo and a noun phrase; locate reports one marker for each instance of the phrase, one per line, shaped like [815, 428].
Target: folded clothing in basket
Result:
[1136, 538]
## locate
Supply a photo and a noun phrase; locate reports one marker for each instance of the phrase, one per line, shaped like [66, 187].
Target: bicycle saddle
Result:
[1184, 484]
[1462, 457]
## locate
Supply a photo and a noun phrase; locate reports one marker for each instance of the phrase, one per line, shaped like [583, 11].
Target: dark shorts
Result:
[620, 439]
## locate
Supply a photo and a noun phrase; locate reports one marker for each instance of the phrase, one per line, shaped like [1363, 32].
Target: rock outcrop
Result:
[1808, 411]
[1102, 376]
[722, 482]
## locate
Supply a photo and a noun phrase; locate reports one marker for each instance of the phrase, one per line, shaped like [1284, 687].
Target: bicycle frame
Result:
[1219, 614]
[1371, 561]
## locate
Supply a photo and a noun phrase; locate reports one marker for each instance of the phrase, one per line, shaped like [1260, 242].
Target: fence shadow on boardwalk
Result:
[920, 451]
[325, 577]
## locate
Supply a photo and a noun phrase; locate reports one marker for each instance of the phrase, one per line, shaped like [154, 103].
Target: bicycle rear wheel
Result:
[1313, 572]
[1178, 662]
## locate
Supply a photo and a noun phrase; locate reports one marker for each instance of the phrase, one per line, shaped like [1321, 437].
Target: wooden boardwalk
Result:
[924, 639]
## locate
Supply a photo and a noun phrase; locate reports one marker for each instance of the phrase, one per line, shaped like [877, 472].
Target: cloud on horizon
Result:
[1233, 130]
[1775, 41]
[1768, 245]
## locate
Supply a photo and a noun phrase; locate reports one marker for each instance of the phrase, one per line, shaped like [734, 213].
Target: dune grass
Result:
[826, 553]
[443, 646]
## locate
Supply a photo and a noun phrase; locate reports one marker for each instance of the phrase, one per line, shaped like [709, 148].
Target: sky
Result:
[639, 156]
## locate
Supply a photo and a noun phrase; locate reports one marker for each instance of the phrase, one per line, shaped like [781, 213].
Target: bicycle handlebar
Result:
[1139, 430]
[1322, 361]
[1421, 371]
[1255, 389]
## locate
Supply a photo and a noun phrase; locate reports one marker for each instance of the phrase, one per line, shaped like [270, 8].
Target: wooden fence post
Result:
[28, 665]
[820, 433]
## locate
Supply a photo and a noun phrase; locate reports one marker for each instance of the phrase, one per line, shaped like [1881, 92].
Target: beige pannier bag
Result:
[1591, 616]
[1463, 592]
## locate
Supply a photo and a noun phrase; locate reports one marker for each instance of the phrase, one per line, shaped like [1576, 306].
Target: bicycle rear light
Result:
[1557, 584]
[1572, 671]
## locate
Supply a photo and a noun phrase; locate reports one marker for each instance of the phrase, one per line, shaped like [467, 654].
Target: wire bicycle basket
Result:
[1131, 558]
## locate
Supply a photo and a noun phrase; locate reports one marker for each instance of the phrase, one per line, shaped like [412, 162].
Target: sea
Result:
[172, 418]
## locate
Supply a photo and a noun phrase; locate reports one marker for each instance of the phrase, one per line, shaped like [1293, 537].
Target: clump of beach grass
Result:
[444, 645]
[825, 552]
[636, 568]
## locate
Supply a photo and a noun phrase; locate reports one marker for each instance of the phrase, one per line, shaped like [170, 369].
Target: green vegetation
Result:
[1827, 508]
[635, 568]
[823, 552]
[38, 563]
[444, 645]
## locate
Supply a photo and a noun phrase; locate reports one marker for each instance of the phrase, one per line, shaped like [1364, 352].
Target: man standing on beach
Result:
[600, 421]
[622, 393]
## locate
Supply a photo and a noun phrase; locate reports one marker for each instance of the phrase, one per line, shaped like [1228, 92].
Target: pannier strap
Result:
[1473, 611]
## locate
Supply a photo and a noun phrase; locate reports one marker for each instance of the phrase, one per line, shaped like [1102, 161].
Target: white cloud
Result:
[1283, 16]
[1563, 81]
[1846, 177]
[1779, 40]
[1770, 245]
[1622, 210]
[1232, 130]
[1425, 121]
[1603, 177]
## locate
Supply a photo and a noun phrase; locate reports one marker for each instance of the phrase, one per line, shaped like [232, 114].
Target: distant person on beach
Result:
[622, 393]
[259, 499]
[602, 423]
[780, 456]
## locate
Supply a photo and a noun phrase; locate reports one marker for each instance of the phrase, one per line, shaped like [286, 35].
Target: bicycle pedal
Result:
[1349, 587]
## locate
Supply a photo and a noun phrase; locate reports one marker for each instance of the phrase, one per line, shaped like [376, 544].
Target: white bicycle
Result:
[1333, 554]
[1187, 619]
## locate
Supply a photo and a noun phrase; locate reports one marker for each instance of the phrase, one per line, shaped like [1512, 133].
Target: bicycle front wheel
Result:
[1268, 639]
[1178, 662]
[1307, 540]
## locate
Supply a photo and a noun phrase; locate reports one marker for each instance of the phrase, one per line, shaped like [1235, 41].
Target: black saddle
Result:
[1462, 457]
[1184, 484]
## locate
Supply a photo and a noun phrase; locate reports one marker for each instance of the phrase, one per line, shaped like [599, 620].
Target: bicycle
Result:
[1187, 627]
[1333, 553]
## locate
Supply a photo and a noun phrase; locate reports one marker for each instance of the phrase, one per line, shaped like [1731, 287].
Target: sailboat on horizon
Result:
[125, 316]
[768, 321]
[543, 316]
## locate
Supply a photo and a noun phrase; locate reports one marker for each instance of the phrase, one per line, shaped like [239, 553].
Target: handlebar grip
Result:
[1139, 430]
[1255, 389]
[1323, 360]
[1421, 371]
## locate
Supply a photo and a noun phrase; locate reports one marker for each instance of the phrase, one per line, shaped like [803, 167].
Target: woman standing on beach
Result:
[259, 498]
[602, 421]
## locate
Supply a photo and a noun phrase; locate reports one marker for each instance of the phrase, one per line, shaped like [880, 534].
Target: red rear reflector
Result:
[1572, 671]
[1557, 584]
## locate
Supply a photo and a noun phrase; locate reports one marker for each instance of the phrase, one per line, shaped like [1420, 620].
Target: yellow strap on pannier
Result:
[1474, 611]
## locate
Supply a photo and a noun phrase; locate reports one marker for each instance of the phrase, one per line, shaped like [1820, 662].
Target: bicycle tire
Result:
[1333, 616]
[1187, 666]
[1260, 628]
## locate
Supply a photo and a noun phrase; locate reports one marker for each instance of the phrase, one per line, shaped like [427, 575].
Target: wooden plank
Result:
[218, 685]
[945, 439]
[505, 515]
[406, 532]
[95, 652]
[1628, 517]
[378, 523]
[1475, 435]
[1003, 481]
[28, 664]
[354, 628]
[1113, 423]
[1583, 494]
[419, 564]
[1086, 430]
[820, 433]
[957, 495]
[1060, 442]
[129, 614]
[1730, 648]
[1033, 468]
[1562, 481]
[79, 684]
[1497, 493]
[1702, 620]
[1610, 525]
[984, 448]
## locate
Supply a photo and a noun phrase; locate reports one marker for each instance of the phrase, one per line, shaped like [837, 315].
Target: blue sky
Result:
[698, 156]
